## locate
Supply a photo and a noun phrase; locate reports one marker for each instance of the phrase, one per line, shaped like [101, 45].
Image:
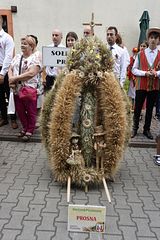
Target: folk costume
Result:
[146, 87]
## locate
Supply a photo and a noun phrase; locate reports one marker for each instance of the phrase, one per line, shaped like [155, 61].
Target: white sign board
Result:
[54, 56]
[86, 218]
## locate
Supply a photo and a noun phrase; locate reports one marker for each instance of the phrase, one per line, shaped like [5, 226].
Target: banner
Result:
[54, 56]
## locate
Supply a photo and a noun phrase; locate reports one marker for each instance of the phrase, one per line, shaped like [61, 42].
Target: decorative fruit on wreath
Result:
[84, 120]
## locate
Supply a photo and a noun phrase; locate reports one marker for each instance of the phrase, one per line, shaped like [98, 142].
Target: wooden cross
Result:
[92, 24]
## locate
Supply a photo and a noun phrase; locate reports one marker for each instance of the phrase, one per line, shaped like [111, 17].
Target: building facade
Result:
[42, 16]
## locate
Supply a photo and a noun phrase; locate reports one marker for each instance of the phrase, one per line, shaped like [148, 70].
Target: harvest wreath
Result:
[84, 120]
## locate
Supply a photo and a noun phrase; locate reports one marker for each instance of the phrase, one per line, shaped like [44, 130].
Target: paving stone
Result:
[132, 196]
[137, 210]
[129, 232]
[112, 237]
[34, 212]
[125, 217]
[143, 191]
[28, 191]
[15, 169]
[12, 196]
[147, 176]
[143, 227]
[157, 232]
[110, 208]
[51, 205]
[63, 198]
[3, 172]
[134, 170]
[156, 196]
[79, 201]
[80, 194]
[45, 235]
[16, 220]
[2, 197]
[28, 165]
[125, 175]
[61, 231]
[129, 185]
[47, 223]
[8, 234]
[138, 180]
[112, 225]
[37, 170]
[121, 202]
[79, 236]
[152, 185]
[29, 230]
[2, 223]
[154, 217]
[18, 184]
[94, 199]
[20, 161]
[32, 179]
[46, 175]
[5, 153]
[39, 198]
[118, 189]
[23, 174]
[63, 213]
[23, 204]
[147, 238]
[148, 203]
[43, 185]
[9, 178]
[54, 191]
[5, 210]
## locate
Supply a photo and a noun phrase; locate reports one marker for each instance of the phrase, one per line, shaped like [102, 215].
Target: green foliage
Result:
[126, 85]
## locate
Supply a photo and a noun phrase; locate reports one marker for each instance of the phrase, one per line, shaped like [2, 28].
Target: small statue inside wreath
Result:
[99, 146]
[75, 158]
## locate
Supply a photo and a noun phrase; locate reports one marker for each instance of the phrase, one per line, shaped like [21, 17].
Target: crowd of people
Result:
[24, 76]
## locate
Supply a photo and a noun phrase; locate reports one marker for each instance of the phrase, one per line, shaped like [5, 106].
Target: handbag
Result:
[27, 93]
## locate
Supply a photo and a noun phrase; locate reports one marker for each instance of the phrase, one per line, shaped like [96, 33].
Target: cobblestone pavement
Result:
[34, 207]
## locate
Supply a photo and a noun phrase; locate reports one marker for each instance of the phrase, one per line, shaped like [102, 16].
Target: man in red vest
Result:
[146, 68]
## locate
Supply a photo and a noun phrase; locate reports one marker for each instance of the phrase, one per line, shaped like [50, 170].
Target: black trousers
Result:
[5, 92]
[49, 82]
[151, 97]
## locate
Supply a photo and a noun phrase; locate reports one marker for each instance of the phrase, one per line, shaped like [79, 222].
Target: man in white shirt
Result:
[146, 68]
[118, 53]
[6, 55]
[52, 72]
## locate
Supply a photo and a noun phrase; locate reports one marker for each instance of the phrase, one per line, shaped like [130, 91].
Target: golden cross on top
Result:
[92, 24]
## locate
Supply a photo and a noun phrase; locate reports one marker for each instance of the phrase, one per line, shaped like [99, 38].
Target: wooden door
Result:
[7, 21]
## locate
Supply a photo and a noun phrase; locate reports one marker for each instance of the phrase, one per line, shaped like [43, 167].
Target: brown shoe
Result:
[3, 122]
[14, 124]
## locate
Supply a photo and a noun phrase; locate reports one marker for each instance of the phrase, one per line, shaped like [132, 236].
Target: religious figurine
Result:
[75, 157]
[99, 146]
